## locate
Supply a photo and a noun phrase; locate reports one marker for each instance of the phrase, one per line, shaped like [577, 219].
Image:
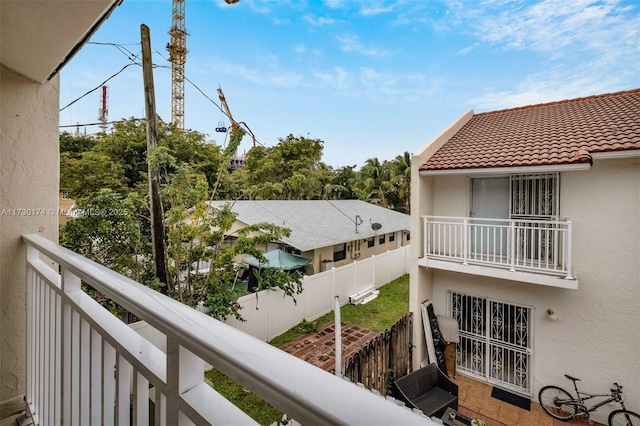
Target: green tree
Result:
[89, 173]
[292, 169]
[74, 146]
[106, 230]
[401, 180]
[374, 182]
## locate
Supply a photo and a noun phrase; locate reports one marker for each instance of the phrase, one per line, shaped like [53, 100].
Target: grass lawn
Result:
[378, 315]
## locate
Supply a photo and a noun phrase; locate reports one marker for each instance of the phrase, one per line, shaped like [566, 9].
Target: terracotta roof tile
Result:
[546, 134]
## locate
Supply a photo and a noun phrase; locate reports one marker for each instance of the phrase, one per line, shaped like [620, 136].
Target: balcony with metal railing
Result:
[85, 366]
[533, 251]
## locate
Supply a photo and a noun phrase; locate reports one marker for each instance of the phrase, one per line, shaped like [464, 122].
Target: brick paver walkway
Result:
[319, 348]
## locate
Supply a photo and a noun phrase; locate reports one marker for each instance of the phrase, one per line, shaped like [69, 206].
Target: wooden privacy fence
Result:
[386, 357]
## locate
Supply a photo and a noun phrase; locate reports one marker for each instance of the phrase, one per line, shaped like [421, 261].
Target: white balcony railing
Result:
[539, 246]
[85, 366]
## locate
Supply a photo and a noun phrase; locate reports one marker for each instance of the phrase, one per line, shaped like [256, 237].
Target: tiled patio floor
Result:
[475, 400]
[474, 397]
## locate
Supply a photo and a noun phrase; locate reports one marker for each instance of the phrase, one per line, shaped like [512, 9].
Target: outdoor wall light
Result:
[552, 315]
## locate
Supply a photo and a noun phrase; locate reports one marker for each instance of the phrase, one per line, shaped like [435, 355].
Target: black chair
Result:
[427, 389]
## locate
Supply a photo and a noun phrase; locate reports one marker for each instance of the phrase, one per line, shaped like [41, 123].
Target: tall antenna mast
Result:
[103, 112]
[177, 48]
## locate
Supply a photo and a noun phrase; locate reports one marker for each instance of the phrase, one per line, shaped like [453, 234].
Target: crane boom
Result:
[225, 105]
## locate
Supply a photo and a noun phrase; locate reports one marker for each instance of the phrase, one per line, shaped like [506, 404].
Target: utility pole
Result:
[157, 214]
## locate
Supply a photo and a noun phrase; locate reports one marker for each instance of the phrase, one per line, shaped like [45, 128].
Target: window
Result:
[371, 242]
[408, 236]
[65, 195]
[382, 239]
[339, 252]
[392, 237]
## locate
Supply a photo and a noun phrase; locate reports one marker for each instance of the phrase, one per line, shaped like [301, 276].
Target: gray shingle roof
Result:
[319, 223]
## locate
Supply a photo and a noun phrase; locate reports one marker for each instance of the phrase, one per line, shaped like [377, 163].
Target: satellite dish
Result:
[375, 226]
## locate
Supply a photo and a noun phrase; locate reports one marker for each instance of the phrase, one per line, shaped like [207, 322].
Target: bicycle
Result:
[561, 405]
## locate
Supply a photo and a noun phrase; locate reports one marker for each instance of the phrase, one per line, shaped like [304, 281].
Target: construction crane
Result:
[225, 105]
[177, 48]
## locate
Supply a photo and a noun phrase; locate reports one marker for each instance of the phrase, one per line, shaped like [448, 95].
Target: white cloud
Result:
[549, 26]
[318, 22]
[556, 83]
[377, 86]
[270, 75]
[375, 10]
[352, 44]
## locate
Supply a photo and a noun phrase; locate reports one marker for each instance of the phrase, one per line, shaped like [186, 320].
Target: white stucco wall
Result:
[29, 169]
[597, 335]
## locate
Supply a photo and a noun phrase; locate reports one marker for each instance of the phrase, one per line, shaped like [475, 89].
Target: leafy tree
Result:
[89, 173]
[74, 146]
[401, 180]
[289, 170]
[374, 182]
[107, 231]
[199, 235]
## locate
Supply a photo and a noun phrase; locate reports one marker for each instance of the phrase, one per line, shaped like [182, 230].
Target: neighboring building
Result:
[65, 205]
[330, 233]
[526, 226]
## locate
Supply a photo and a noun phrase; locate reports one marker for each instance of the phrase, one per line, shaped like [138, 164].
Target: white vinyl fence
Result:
[270, 314]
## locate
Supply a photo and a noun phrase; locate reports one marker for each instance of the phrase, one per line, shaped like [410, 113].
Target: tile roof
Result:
[546, 134]
[319, 223]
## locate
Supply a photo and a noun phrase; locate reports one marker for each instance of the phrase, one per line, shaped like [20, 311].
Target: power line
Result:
[133, 59]
[121, 47]
[100, 122]
[97, 87]
[244, 125]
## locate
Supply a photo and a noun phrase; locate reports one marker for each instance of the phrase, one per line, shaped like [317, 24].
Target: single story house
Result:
[331, 233]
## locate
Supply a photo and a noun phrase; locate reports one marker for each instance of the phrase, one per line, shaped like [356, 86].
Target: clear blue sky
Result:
[369, 78]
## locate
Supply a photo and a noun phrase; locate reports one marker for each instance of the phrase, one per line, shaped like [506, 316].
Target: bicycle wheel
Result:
[624, 418]
[556, 402]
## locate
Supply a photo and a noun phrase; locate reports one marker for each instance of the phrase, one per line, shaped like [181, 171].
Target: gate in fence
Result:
[383, 359]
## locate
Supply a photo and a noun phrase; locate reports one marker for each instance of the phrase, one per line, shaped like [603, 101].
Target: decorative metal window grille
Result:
[495, 340]
[535, 196]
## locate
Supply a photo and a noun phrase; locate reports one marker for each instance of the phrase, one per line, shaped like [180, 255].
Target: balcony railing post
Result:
[512, 249]
[465, 241]
[567, 249]
[425, 221]
[184, 371]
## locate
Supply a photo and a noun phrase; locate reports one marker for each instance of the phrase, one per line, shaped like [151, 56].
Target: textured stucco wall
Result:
[29, 169]
[597, 335]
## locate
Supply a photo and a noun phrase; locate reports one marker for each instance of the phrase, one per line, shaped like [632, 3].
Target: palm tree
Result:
[401, 179]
